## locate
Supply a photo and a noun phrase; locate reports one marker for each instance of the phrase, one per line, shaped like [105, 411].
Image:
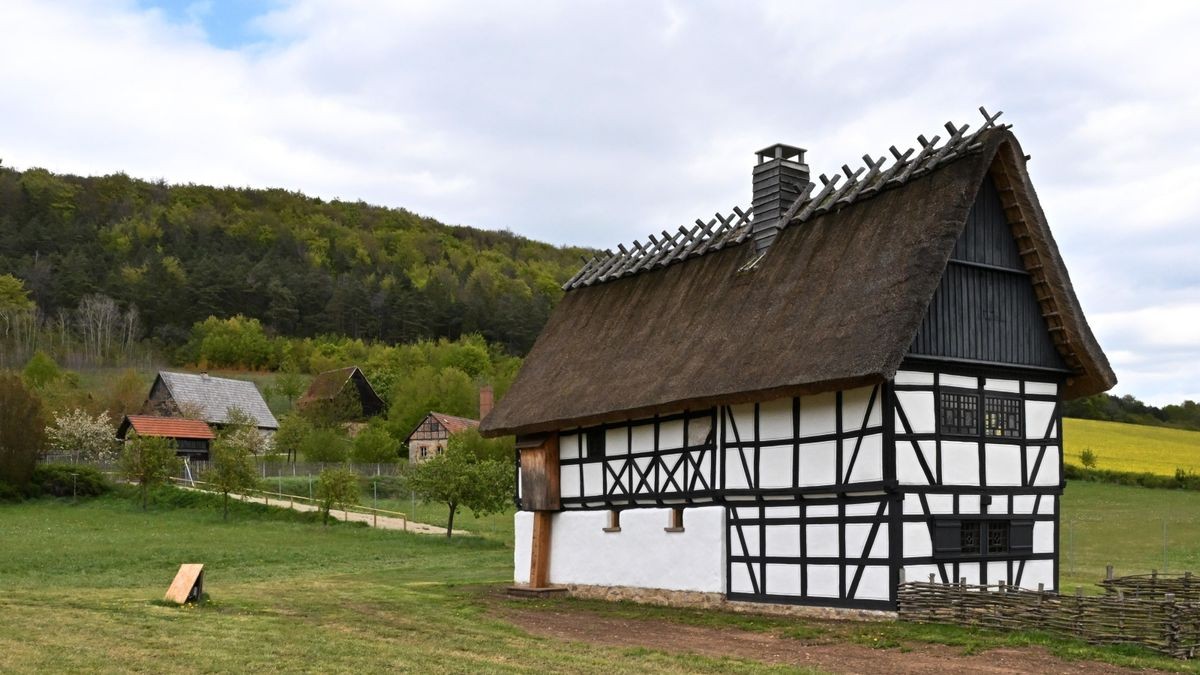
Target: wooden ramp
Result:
[188, 585]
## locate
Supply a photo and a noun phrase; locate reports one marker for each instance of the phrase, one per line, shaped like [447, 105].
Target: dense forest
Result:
[171, 256]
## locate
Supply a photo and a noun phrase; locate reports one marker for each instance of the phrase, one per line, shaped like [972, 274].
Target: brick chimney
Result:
[486, 397]
[779, 178]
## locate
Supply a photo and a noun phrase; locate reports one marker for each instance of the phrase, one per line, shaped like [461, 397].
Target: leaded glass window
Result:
[969, 536]
[1002, 417]
[960, 413]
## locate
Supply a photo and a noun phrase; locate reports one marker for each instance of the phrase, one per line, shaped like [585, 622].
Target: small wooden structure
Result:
[345, 385]
[193, 438]
[188, 585]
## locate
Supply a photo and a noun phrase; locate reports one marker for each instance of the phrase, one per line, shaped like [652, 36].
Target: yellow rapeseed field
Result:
[1132, 447]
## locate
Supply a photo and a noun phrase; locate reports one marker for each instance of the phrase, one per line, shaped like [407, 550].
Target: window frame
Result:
[963, 395]
[595, 443]
[1018, 412]
[1018, 537]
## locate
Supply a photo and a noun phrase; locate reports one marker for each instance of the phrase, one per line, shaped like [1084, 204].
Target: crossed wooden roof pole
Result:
[725, 230]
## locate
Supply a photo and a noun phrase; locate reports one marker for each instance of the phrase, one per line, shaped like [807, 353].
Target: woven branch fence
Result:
[1157, 611]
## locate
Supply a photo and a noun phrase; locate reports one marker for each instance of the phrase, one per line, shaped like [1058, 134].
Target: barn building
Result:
[207, 398]
[848, 384]
[344, 388]
[193, 438]
[431, 437]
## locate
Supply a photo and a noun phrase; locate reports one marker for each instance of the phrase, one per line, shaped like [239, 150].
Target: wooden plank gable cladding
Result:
[985, 309]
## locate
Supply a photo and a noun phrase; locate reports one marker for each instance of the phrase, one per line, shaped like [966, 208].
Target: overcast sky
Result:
[593, 123]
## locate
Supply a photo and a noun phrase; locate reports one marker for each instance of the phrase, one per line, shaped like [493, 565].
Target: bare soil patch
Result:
[824, 653]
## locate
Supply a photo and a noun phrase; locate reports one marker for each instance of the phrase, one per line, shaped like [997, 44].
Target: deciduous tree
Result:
[336, 488]
[232, 470]
[473, 472]
[148, 461]
[22, 431]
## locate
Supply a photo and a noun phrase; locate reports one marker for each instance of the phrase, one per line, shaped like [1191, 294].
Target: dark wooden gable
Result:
[985, 309]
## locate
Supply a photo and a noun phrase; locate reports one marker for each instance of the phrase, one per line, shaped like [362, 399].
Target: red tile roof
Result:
[170, 427]
[454, 424]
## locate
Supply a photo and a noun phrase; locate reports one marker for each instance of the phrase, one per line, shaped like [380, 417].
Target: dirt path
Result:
[382, 522]
[768, 647]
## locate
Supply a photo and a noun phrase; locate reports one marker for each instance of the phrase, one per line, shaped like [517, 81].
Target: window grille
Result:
[1002, 417]
[960, 413]
[968, 534]
[997, 534]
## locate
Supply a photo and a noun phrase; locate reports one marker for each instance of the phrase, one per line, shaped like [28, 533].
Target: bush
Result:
[22, 432]
[64, 480]
[336, 488]
[373, 445]
[325, 445]
[1088, 458]
[1182, 480]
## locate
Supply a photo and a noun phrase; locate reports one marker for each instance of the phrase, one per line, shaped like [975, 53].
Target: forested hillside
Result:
[300, 265]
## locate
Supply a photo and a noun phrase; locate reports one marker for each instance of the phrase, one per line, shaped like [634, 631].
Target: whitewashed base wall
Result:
[641, 555]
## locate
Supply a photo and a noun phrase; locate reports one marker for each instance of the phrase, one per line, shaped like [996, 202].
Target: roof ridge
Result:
[735, 228]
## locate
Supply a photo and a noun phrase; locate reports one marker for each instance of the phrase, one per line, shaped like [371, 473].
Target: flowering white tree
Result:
[80, 434]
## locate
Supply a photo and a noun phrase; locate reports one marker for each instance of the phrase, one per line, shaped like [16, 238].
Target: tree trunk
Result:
[225, 515]
[144, 495]
[450, 523]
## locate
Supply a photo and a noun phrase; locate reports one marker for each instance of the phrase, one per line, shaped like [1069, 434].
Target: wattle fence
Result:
[1160, 612]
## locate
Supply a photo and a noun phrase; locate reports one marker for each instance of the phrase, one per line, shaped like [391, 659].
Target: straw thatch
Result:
[835, 303]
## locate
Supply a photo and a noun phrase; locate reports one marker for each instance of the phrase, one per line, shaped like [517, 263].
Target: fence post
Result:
[1171, 624]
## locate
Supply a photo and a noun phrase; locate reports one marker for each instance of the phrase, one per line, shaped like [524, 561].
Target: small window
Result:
[968, 536]
[614, 521]
[960, 413]
[595, 444]
[997, 533]
[953, 538]
[424, 452]
[676, 522]
[1002, 417]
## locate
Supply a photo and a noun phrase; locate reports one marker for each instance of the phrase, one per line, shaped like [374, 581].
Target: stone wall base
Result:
[696, 599]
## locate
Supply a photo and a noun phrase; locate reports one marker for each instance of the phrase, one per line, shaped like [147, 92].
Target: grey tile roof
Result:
[214, 396]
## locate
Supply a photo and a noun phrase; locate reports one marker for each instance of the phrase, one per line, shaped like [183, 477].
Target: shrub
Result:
[336, 488]
[325, 445]
[22, 432]
[78, 433]
[1088, 458]
[373, 445]
[149, 461]
[65, 480]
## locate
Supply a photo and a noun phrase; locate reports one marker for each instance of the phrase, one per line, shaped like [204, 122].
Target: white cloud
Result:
[595, 123]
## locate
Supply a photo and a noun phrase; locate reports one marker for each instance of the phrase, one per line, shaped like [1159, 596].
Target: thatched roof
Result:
[835, 303]
[328, 385]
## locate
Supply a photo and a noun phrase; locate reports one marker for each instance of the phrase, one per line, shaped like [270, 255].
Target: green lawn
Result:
[1121, 525]
[80, 586]
[1132, 447]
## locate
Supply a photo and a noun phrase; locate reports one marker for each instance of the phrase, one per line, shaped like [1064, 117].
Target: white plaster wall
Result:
[1003, 464]
[1038, 571]
[641, 555]
[914, 377]
[960, 463]
[908, 467]
[918, 410]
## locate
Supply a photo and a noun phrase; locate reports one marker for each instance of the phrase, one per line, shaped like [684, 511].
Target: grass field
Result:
[80, 586]
[1132, 447]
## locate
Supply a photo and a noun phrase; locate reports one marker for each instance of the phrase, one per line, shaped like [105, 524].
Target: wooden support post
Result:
[540, 494]
[539, 557]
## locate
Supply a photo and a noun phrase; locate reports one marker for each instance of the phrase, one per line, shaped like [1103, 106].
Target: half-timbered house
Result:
[431, 436]
[849, 383]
